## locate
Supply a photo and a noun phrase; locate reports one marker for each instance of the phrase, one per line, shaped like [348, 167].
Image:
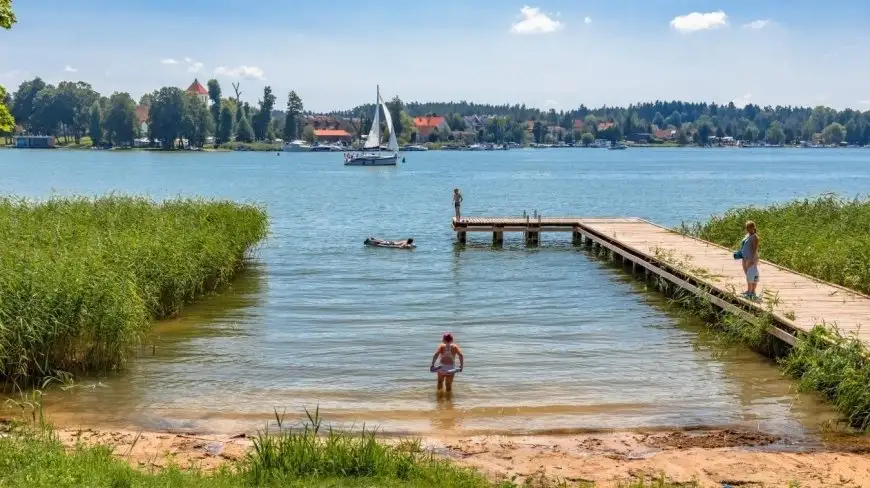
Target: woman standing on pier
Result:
[457, 201]
[749, 253]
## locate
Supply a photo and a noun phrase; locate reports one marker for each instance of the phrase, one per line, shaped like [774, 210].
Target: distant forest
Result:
[693, 122]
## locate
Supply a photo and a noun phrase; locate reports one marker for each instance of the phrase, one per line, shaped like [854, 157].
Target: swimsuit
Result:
[447, 353]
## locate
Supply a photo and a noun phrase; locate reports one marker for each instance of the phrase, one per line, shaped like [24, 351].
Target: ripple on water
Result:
[554, 339]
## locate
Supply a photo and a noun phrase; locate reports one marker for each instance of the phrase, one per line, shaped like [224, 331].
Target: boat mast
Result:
[378, 109]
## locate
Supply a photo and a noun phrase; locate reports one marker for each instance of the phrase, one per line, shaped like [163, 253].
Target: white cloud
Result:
[551, 103]
[532, 21]
[248, 72]
[757, 24]
[168, 61]
[864, 102]
[743, 101]
[587, 20]
[194, 67]
[70, 69]
[696, 21]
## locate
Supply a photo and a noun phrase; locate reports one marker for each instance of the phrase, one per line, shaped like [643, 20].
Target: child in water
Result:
[447, 351]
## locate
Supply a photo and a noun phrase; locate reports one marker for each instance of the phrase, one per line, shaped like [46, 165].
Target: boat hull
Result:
[372, 160]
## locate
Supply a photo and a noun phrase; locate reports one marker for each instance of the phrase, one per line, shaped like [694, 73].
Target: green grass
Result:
[81, 280]
[825, 361]
[825, 237]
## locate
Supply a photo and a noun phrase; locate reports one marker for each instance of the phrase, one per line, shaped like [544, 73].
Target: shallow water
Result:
[555, 340]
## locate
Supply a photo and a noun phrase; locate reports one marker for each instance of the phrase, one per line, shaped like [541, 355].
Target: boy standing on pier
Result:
[457, 201]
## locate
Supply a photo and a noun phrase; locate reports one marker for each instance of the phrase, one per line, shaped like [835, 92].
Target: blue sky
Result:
[554, 53]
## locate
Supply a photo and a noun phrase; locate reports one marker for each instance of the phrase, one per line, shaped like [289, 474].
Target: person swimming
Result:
[446, 354]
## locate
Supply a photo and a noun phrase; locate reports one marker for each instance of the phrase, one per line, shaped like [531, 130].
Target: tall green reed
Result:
[82, 279]
[825, 237]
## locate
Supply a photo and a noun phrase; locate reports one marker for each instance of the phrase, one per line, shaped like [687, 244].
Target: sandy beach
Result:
[710, 457]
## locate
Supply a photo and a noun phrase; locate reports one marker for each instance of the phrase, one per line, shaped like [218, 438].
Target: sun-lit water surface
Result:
[554, 339]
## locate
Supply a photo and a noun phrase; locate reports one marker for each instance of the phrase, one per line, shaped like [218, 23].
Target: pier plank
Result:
[810, 300]
[788, 293]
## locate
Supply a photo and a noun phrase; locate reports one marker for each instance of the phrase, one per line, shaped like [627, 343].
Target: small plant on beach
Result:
[82, 279]
[308, 451]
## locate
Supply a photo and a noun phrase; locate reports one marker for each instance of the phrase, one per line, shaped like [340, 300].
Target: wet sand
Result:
[710, 457]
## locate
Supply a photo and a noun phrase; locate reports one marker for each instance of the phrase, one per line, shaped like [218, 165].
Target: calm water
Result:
[553, 338]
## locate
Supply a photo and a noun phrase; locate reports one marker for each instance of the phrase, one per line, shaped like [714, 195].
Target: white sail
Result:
[394, 144]
[374, 139]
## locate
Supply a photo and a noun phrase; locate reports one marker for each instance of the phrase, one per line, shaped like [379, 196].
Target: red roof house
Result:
[332, 135]
[426, 125]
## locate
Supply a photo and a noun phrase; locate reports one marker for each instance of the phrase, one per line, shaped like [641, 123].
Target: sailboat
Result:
[372, 155]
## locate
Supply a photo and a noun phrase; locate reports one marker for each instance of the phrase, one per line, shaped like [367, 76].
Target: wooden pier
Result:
[795, 301]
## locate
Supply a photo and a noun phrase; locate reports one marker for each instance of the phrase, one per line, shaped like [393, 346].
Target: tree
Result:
[658, 120]
[539, 131]
[853, 132]
[291, 116]
[96, 129]
[587, 138]
[166, 116]
[308, 134]
[225, 128]
[396, 108]
[75, 100]
[245, 133]
[22, 101]
[7, 16]
[591, 124]
[775, 134]
[834, 133]
[7, 122]
[238, 93]
[262, 119]
[751, 132]
[120, 123]
[682, 138]
[198, 122]
[703, 134]
[214, 94]
[146, 99]
[46, 116]
[675, 119]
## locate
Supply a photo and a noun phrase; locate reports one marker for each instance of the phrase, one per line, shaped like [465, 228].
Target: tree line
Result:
[693, 122]
[73, 110]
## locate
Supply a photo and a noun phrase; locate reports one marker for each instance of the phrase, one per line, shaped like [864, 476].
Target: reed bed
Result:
[82, 279]
[825, 237]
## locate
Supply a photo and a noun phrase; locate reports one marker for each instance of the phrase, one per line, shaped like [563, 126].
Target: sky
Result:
[547, 53]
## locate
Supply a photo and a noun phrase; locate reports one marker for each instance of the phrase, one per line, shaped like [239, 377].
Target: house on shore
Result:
[333, 135]
[426, 125]
[33, 142]
[142, 119]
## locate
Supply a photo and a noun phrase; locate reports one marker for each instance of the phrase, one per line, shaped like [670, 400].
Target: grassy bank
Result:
[81, 279]
[826, 238]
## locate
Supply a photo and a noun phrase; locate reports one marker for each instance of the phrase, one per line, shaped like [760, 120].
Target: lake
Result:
[555, 340]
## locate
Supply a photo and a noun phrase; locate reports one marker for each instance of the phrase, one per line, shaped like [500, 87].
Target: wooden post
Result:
[576, 237]
[532, 238]
[460, 236]
[497, 238]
